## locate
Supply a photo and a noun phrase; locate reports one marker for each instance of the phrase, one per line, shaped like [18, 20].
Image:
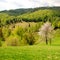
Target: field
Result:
[40, 51]
[30, 53]
[34, 35]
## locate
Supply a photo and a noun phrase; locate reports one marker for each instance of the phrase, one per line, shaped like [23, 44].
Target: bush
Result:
[58, 24]
[6, 32]
[12, 41]
[31, 38]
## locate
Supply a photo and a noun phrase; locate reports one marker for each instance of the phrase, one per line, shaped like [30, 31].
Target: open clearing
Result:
[35, 52]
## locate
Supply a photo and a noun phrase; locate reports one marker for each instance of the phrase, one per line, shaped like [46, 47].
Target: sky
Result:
[15, 4]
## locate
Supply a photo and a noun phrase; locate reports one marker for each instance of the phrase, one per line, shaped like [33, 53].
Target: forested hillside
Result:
[17, 12]
[32, 15]
[22, 29]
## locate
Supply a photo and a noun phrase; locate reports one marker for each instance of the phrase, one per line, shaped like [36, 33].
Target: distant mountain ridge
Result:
[17, 12]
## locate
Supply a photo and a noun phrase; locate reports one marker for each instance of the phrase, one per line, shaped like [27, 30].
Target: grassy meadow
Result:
[35, 52]
[39, 51]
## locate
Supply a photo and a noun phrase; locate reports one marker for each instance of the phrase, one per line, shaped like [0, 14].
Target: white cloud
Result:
[13, 4]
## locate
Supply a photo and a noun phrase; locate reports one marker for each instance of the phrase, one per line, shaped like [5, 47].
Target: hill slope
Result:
[22, 11]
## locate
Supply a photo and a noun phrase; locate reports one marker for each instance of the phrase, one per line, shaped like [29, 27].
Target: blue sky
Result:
[15, 4]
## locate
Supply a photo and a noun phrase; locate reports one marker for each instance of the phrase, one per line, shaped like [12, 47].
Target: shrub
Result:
[12, 41]
[6, 32]
[31, 38]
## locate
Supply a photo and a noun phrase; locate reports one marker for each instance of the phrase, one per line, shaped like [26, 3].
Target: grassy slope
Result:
[30, 53]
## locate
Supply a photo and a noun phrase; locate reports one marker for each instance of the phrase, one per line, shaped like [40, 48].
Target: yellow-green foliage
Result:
[37, 16]
[0, 32]
[40, 15]
[6, 19]
[31, 37]
[6, 32]
[58, 24]
[22, 29]
[15, 36]
[12, 40]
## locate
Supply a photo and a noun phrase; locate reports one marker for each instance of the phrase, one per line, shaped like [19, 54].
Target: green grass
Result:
[30, 53]
[35, 52]
[56, 41]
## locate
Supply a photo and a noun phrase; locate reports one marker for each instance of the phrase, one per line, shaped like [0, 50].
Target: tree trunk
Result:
[46, 41]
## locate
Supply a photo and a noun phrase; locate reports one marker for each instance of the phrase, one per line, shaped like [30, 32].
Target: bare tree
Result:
[46, 32]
